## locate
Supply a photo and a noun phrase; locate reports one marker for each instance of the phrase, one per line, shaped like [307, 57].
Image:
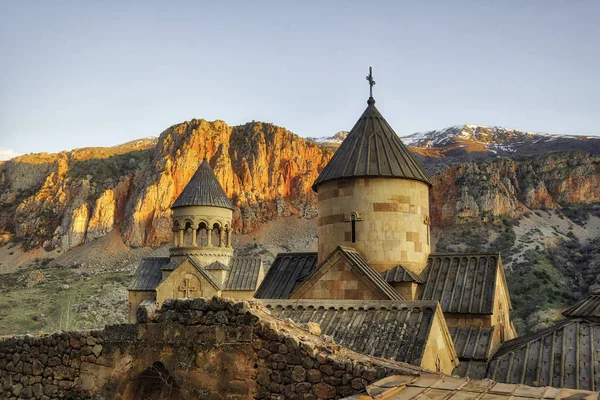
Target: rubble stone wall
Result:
[200, 348]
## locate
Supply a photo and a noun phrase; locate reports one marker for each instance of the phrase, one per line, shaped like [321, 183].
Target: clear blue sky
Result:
[86, 73]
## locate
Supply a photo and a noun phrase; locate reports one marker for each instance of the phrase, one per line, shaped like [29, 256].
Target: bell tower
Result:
[202, 216]
[374, 196]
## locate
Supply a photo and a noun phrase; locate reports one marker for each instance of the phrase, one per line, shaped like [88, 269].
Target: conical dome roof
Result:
[203, 190]
[372, 149]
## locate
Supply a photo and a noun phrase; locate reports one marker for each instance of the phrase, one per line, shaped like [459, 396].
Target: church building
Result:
[373, 284]
[201, 260]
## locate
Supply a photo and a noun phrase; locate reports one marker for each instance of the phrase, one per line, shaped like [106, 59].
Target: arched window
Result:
[215, 239]
[353, 222]
[202, 235]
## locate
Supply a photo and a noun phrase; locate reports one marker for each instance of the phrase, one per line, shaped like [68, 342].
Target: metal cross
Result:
[371, 81]
[186, 288]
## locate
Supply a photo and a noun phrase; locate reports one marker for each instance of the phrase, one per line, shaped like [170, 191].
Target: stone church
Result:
[374, 285]
[201, 261]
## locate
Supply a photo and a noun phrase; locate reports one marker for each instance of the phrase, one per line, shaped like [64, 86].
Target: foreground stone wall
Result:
[48, 366]
[211, 349]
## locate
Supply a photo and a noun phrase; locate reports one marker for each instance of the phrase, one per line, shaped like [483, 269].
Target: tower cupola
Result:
[374, 196]
[202, 216]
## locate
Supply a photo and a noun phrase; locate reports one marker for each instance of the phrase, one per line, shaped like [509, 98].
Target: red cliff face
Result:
[62, 200]
[267, 171]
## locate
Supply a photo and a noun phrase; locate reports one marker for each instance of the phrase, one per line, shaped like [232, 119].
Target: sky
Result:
[89, 73]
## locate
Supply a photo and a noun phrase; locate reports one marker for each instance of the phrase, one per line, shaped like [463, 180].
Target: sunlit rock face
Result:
[62, 200]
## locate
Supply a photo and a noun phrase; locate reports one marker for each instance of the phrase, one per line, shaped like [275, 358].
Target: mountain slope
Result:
[464, 143]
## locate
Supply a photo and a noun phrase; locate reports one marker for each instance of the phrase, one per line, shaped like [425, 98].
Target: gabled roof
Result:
[400, 274]
[472, 343]
[588, 308]
[203, 190]
[148, 274]
[396, 330]
[461, 282]
[563, 355]
[243, 274]
[287, 272]
[217, 266]
[370, 276]
[208, 276]
[372, 149]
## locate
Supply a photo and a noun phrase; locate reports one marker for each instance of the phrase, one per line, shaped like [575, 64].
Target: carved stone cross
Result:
[371, 81]
[187, 288]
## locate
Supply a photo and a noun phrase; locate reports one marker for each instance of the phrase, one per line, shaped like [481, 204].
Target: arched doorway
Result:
[155, 383]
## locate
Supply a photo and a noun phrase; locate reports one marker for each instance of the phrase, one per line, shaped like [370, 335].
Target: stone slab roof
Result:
[587, 308]
[566, 354]
[472, 343]
[396, 330]
[148, 274]
[203, 190]
[287, 272]
[461, 282]
[372, 149]
[243, 274]
[217, 266]
[437, 386]
[400, 274]
[473, 346]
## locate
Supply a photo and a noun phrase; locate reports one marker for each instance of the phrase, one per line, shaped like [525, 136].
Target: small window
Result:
[353, 222]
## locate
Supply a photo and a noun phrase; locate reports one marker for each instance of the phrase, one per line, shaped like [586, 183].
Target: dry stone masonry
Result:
[200, 348]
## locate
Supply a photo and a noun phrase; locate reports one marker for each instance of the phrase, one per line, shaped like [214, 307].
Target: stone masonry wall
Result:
[47, 366]
[200, 348]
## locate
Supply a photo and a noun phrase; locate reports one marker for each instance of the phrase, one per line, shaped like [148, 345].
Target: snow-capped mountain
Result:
[497, 140]
[330, 141]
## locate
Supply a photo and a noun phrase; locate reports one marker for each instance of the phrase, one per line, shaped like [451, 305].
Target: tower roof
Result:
[203, 190]
[372, 149]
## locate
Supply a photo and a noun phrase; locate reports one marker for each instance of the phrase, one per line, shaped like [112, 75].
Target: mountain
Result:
[463, 143]
[84, 217]
[331, 142]
[63, 200]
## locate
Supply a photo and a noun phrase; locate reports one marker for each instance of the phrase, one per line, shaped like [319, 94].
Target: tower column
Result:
[208, 237]
[181, 238]
[174, 238]
[194, 238]
[229, 230]
[222, 237]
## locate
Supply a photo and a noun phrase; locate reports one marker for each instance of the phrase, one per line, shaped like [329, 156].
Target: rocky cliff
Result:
[476, 191]
[61, 200]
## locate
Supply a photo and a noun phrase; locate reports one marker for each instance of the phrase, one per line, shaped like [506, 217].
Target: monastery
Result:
[201, 261]
[374, 285]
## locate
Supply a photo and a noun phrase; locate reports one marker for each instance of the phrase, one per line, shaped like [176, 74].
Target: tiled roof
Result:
[472, 343]
[287, 272]
[148, 274]
[462, 283]
[217, 266]
[400, 274]
[372, 149]
[203, 190]
[587, 308]
[243, 274]
[436, 386]
[396, 330]
[566, 354]
[474, 369]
